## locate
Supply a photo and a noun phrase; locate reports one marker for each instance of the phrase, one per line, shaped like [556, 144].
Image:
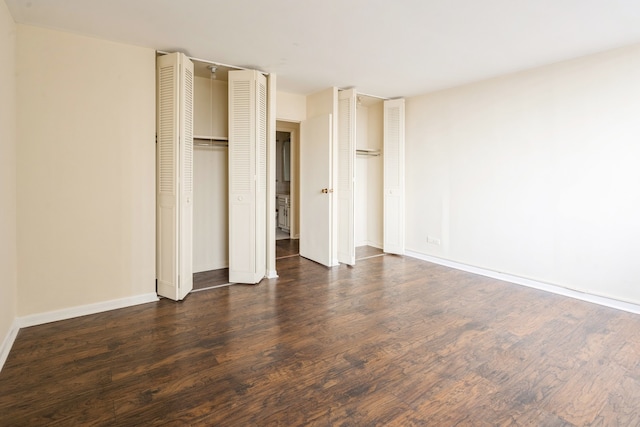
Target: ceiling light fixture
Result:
[213, 70]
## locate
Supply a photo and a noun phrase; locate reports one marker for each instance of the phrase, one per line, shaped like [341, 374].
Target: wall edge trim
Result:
[530, 283]
[84, 310]
[8, 341]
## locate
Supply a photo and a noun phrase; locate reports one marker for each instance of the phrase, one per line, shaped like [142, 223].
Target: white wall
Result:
[8, 251]
[86, 170]
[534, 174]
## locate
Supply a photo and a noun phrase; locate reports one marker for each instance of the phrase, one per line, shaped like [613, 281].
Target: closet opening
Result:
[287, 192]
[210, 176]
[211, 195]
[369, 209]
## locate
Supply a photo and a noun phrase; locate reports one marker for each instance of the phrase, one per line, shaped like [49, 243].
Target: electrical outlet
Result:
[433, 240]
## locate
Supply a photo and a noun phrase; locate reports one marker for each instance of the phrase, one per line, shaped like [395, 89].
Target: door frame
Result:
[293, 129]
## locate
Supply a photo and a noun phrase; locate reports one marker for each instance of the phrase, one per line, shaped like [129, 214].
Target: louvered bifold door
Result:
[174, 169]
[185, 251]
[346, 176]
[247, 176]
[393, 239]
[260, 270]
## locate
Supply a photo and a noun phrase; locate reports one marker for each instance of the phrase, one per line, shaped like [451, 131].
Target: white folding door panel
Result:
[393, 238]
[346, 176]
[175, 176]
[247, 176]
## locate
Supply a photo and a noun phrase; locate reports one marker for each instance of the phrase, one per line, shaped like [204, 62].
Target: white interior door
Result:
[175, 176]
[316, 192]
[393, 236]
[346, 176]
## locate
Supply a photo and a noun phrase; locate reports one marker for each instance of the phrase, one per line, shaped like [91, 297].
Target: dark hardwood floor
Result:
[287, 248]
[393, 341]
[208, 279]
[291, 247]
[363, 252]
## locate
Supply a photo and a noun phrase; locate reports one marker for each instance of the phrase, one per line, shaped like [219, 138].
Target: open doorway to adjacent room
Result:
[287, 191]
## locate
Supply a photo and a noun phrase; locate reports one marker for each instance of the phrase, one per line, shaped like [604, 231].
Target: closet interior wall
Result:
[210, 172]
[369, 177]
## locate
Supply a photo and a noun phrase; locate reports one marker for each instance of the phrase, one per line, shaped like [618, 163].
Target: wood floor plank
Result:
[207, 279]
[287, 247]
[391, 341]
[367, 251]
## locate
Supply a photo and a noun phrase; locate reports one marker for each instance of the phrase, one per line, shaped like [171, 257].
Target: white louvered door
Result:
[346, 176]
[247, 176]
[175, 176]
[393, 238]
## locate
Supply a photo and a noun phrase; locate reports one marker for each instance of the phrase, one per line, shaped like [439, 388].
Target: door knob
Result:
[327, 190]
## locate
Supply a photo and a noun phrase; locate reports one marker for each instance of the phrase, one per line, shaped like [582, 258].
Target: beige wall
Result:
[291, 107]
[8, 280]
[534, 174]
[86, 170]
[210, 208]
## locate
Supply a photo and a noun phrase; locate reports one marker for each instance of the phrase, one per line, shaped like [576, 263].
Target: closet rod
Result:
[200, 141]
[368, 152]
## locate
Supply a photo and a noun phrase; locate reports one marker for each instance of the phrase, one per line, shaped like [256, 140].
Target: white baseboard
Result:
[83, 310]
[596, 299]
[7, 343]
[374, 245]
[369, 243]
[211, 267]
[272, 274]
[67, 313]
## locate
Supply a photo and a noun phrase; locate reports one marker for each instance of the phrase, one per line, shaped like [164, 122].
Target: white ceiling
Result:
[386, 48]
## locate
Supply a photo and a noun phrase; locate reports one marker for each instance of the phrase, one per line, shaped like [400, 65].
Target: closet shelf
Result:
[211, 138]
[367, 152]
[210, 141]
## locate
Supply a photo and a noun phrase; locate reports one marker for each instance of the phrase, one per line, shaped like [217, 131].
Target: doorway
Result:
[287, 189]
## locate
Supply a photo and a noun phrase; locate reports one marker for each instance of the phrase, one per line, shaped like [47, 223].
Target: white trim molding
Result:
[595, 299]
[67, 313]
[84, 310]
[8, 341]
